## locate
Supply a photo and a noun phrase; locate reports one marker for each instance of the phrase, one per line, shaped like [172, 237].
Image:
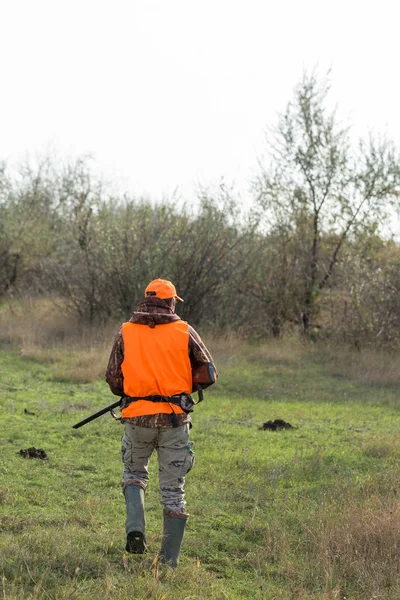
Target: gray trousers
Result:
[175, 459]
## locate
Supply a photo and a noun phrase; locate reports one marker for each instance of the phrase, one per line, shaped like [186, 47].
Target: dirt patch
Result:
[28, 412]
[276, 425]
[33, 453]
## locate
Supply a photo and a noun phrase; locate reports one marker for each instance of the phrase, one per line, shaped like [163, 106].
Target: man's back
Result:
[151, 366]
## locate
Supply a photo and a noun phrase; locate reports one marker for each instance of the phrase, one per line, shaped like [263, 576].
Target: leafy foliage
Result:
[305, 256]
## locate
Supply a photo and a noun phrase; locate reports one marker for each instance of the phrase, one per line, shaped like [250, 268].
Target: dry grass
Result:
[362, 544]
[369, 366]
[378, 448]
[32, 321]
[348, 548]
[42, 331]
[230, 348]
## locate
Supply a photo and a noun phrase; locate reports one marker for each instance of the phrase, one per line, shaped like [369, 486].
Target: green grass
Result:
[311, 512]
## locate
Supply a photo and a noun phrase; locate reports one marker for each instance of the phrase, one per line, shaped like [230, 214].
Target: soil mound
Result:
[33, 453]
[276, 425]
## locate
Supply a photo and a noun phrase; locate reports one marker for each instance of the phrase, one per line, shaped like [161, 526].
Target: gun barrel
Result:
[97, 414]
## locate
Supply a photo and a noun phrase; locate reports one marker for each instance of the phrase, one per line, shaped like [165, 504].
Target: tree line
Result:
[312, 253]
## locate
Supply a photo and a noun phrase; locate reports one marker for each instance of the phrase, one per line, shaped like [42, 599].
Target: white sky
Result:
[169, 93]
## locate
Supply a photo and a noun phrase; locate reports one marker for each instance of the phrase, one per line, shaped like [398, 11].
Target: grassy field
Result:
[311, 512]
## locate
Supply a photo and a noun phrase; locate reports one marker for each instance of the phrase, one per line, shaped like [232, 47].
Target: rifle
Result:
[103, 411]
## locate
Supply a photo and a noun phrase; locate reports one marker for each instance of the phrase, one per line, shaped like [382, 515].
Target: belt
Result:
[184, 400]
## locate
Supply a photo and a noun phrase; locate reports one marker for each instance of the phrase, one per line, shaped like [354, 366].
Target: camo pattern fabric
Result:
[175, 460]
[159, 420]
[153, 312]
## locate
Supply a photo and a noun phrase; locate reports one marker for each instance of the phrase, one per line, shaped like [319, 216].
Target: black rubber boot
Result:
[174, 528]
[135, 522]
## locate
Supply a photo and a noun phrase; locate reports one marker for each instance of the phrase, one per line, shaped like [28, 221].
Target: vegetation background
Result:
[297, 298]
[313, 252]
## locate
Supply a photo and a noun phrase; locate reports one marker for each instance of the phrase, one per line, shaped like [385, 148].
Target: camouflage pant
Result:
[175, 459]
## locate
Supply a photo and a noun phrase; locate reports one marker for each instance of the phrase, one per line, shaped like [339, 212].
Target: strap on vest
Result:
[184, 400]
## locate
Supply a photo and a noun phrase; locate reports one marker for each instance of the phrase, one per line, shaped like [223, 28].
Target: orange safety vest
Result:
[156, 362]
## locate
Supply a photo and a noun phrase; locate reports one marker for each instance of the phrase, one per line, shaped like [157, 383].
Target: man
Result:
[151, 366]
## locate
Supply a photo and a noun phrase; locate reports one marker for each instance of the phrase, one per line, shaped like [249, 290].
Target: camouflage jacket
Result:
[153, 311]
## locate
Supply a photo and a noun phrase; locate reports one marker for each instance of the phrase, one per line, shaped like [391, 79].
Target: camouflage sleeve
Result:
[198, 352]
[114, 376]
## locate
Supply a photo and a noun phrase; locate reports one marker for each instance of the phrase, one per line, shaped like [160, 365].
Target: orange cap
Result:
[162, 288]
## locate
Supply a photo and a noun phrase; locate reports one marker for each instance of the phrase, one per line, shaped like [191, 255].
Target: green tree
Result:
[316, 180]
[26, 227]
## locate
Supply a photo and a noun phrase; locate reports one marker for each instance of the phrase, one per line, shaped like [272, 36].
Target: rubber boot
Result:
[174, 528]
[135, 522]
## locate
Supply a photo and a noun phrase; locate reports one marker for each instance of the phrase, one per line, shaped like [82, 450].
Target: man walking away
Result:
[150, 366]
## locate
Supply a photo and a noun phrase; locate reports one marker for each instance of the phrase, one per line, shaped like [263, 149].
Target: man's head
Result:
[164, 289]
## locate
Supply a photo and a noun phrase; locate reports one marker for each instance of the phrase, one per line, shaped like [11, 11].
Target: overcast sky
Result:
[167, 94]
